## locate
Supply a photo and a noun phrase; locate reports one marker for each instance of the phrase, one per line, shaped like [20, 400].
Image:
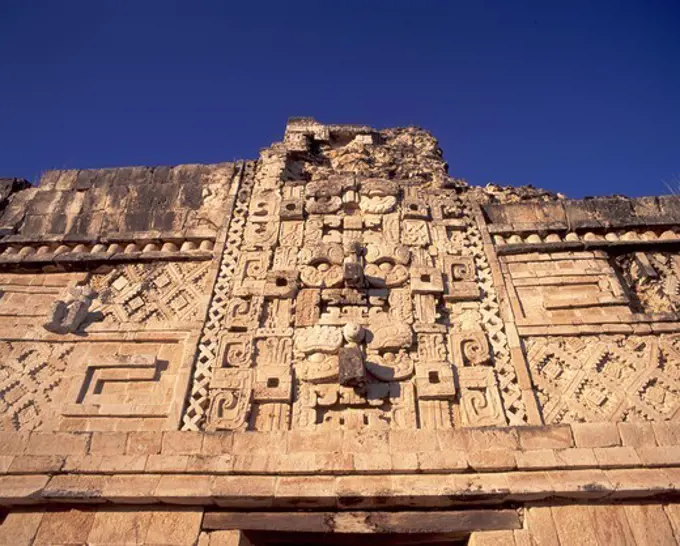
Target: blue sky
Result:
[581, 97]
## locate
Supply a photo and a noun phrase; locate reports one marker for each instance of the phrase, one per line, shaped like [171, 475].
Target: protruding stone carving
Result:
[281, 284]
[386, 265]
[231, 399]
[353, 274]
[434, 381]
[378, 196]
[272, 351]
[243, 313]
[415, 233]
[318, 339]
[323, 197]
[480, 401]
[323, 266]
[426, 280]
[307, 310]
[292, 209]
[415, 208]
[470, 348]
[351, 367]
[353, 333]
[236, 351]
[389, 336]
[459, 274]
[273, 384]
[69, 314]
[390, 366]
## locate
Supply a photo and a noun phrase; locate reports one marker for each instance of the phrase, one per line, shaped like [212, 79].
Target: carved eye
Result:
[272, 382]
[290, 206]
[281, 282]
[433, 377]
[425, 278]
[413, 206]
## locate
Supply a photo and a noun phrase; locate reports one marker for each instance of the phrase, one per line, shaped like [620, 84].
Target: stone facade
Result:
[337, 342]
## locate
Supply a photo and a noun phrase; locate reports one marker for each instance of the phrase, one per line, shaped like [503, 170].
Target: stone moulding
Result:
[424, 469]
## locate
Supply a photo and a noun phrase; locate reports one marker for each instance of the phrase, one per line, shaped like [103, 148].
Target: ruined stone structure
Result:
[337, 343]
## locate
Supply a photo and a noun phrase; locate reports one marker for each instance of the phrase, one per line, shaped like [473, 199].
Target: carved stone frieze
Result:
[469, 348]
[606, 378]
[233, 391]
[480, 401]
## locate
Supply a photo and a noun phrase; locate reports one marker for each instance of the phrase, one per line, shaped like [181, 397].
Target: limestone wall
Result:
[328, 328]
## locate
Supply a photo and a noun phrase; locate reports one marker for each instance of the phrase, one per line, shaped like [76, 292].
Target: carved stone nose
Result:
[353, 274]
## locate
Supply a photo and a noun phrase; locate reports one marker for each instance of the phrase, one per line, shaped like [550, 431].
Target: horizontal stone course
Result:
[397, 490]
[581, 445]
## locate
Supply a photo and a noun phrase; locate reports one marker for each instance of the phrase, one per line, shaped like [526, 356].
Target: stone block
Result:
[176, 527]
[492, 538]
[442, 461]
[649, 524]
[613, 457]
[123, 463]
[263, 442]
[57, 443]
[577, 457]
[637, 434]
[72, 487]
[528, 486]
[36, 464]
[667, 434]
[187, 489]
[108, 443]
[65, 527]
[536, 459]
[547, 437]
[580, 484]
[596, 434]
[217, 443]
[131, 488]
[498, 460]
[203, 464]
[366, 441]
[355, 492]
[21, 489]
[488, 438]
[13, 443]
[243, 491]
[314, 441]
[166, 463]
[659, 455]
[20, 527]
[305, 492]
[419, 440]
[120, 526]
[539, 523]
[144, 443]
[639, 482]
[181, 443]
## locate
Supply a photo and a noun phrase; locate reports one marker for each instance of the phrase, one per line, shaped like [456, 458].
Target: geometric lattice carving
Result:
[30, 375]
[142, 292]
[653, 279]
[606, 378]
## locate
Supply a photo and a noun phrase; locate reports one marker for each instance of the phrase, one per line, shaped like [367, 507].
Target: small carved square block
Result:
[292, 209]
[281, 284]
[434, 381]
[273, 384]
[426, 280]
[415, 208]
